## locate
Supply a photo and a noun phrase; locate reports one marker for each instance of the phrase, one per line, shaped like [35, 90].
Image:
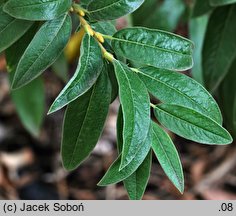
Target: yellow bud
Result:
[81, 13]
[99, 37]
[108, 56]
[89, 30]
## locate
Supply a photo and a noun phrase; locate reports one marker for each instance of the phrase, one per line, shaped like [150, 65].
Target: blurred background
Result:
[30, 162]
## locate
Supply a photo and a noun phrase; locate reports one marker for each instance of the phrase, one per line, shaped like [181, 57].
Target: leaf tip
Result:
[52, 109]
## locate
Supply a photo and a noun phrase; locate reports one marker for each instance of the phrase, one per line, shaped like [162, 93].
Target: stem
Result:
[152, 105]
[109, 37]
[135, 70]
[86, 26]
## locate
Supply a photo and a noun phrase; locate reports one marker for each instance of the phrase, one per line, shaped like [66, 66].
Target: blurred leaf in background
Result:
[164, 15]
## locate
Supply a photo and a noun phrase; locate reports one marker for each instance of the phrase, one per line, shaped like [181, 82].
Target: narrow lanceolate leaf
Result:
[154, 47]
[112, 9]
[167, 156]
[84, 121]
[175, 88]
[46, 46]
[135, 104]
[136, 183]
[11, 29]
[219, 45]
[29, 100]
[221, 2]
[191, 125]
[114, 174]
[89, 67]
[37, 9]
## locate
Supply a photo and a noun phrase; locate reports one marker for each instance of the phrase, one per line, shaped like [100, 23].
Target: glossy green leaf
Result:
[29, 100]
[191, 125]
[219, 46]
[112, 9]
[201, 7]
[43, 50]
[84, 121]
[136, 183]
[167, 156]
[227, 99]
[37, 9]
[154, 47]
[11, 29]
[176, 88]
[221, 2]
[89, 67]
[197, 30]
[135, 104]
[114, 174]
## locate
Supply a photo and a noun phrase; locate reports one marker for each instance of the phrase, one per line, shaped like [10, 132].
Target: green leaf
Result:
[89, 67]
[11, 29]
[167, 156]
[161, 15]
[201, 7]
[154, 47]
[46, 46]
[191, 125]
[60, 68]
[148, 7]
[30, 103]
[114, 174]
[136, 183]
[113, 80]
[227, 99]
[219, 46]
[105, 27]
[84, 121]
[221, 2]
[135, 104]
[112, 9]
[29, 100]
[37, 9]
[197, 30]
[176, 88]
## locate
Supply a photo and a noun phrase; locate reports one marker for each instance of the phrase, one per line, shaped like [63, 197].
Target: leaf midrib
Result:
[183, 120]
[150, 46]
[82, 72]
[185, 95]
[106, 7]
[36, 4]
[56, 33]
[84, 120]
[171, 164]
[10, 23]
[131, 91]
